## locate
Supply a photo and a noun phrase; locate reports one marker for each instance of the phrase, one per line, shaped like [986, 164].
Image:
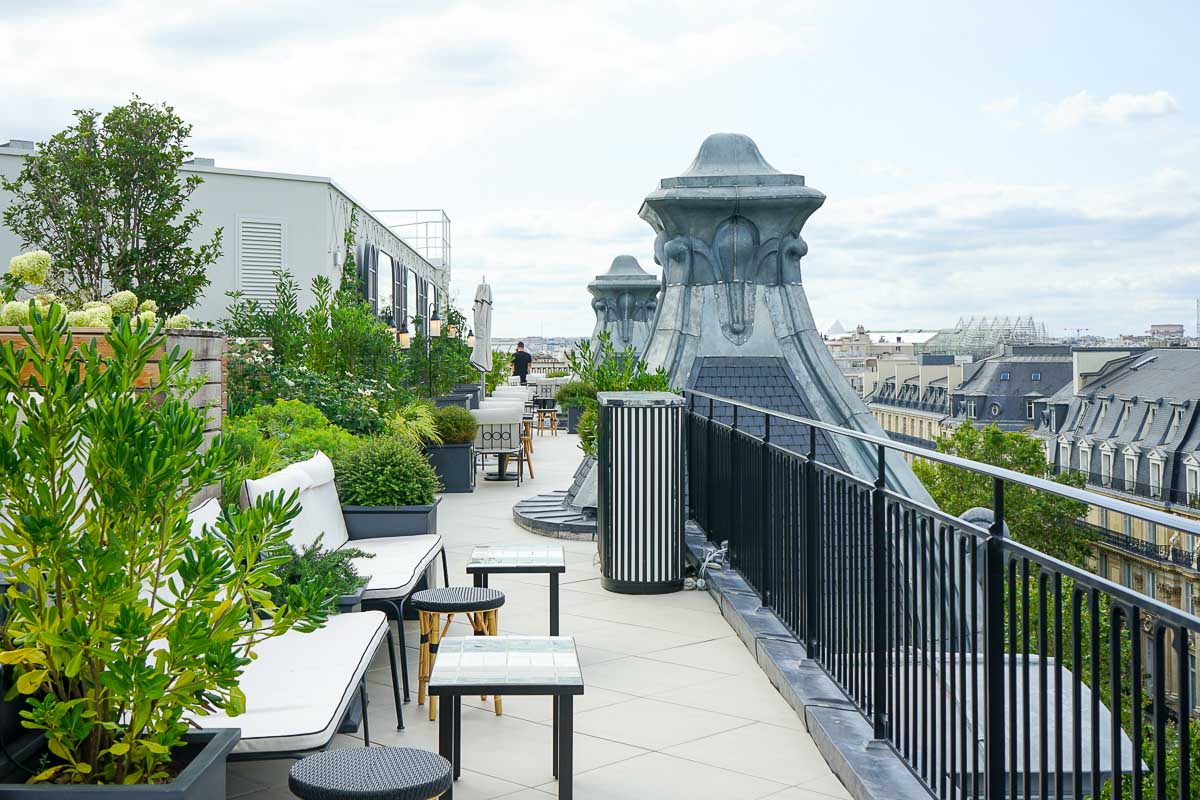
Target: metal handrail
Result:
[1007, 475]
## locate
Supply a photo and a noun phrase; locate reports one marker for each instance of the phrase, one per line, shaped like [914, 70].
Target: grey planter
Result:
[203, 777]
[573, 415]
[455, 399]
[475, 390]
[373, 522]
[455, 465]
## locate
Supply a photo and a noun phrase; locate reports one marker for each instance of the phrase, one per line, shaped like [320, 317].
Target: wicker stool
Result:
[371, 773]
[477, 603]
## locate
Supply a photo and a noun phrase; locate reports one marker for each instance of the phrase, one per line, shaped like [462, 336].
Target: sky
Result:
[1009, 158]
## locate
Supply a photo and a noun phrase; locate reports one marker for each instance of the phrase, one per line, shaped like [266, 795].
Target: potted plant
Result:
[454, 457]
[574, 397]
[387, 486]
[122, 622]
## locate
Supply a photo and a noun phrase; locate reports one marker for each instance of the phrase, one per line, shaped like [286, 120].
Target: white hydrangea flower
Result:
[149, 317]
[179, 321]
[80, 319]
[148, 305]
[90, 304]
[125, 302]
[30, 267]
[100, 317]
[14, 313]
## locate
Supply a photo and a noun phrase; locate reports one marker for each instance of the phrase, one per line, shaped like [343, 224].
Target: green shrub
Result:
[455, 425]
[329, 568]
[558, 373]
[125, 626]
[285, 417]
[385, 471]
[575, 394]
[414, 423]
[588, 421]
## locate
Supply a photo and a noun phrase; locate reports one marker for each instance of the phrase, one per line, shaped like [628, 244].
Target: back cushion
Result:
[320, 509]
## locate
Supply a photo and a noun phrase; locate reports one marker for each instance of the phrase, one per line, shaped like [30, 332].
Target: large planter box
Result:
[475, 390]
[208, 364]
[202, 777]
[573, 415]
[455, 399]
[454, 464]
[372, 522]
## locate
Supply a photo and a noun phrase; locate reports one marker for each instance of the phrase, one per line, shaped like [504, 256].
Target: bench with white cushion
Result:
[300, 686]
[398, 561]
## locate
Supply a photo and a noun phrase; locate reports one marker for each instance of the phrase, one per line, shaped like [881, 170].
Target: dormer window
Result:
[1028, 409]
[1085, 459]
[1156, 476]
[1035, 377]
[1130, 472]
[1083, 409]
[1004, 376]
[995, 409]
[1106, 468]
[1176, 418]
[1123, 416]
[1103, 413]
[971, 409]
[1147, 423]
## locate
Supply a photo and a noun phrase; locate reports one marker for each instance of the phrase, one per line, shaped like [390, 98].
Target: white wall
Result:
[314, 211]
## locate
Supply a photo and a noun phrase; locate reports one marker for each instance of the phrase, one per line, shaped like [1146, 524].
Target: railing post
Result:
[764, 524]
[879, 610]
[993, 649]
[812, 545]
[709, 469]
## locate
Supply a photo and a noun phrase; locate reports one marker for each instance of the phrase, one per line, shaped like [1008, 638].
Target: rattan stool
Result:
[479, 604]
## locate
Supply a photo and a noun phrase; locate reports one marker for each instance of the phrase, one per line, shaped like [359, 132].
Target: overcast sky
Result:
[1005, 158]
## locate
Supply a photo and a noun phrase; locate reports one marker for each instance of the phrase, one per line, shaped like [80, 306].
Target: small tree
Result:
[106, 198]
[1039, 519]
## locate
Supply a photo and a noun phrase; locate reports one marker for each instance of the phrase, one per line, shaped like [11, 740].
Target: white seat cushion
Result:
[299, 687]
[320, 509]
[398, 564]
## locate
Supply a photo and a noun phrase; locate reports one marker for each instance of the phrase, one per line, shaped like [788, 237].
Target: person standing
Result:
[520, 363]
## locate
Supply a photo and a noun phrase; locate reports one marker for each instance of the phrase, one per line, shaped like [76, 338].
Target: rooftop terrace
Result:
[675, 705]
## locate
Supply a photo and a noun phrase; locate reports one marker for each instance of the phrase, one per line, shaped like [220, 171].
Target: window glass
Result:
[386, 281]
[1037, 376]
[1004, 376]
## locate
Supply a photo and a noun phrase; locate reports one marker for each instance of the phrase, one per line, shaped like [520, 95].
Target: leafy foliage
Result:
[500, 370]
[122, 623]
[106, 197]
[333, 569]
[449, 359]
[455, 425]
[1038, 519]
[603, 369]
[575, 394]
[385, 471]
[414, 424]
[272, 436]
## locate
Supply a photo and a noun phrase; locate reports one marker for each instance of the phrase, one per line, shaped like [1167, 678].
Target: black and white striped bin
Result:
[639, 514]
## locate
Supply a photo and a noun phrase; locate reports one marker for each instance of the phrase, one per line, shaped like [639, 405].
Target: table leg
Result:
[457, 736]
[554, 736]
[566, 747]
[478, 579]
[446, 736]
[554, 604]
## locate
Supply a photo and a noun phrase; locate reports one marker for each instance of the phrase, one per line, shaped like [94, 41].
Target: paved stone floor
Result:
[675, 706]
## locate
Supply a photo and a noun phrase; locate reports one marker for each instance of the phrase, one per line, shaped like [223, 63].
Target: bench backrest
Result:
[320, 509]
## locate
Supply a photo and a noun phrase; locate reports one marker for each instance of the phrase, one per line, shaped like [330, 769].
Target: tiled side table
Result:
[512, 559]
[509, 665]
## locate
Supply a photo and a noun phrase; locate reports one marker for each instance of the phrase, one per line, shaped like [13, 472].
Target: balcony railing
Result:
[1168, 554]
[928, 444]
[915, 405]
[981, 661]
[1116, 483]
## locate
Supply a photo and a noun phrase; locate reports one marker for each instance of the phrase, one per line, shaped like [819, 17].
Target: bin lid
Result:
[639, 399]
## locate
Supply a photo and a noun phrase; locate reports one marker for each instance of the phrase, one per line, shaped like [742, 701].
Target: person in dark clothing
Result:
[520, 363]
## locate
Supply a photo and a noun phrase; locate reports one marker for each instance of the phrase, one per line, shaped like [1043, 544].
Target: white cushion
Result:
[320, 509]
[492, 413]
[398, 564]
[204, 516]
[299, 687]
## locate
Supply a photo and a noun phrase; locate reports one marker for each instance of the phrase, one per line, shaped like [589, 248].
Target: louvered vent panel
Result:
[260, 256]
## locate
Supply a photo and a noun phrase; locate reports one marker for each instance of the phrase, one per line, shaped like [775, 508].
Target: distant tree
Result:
[106, 198]
[1037, 519]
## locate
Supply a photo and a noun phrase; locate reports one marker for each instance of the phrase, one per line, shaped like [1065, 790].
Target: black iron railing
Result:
[1174, 495]
[986, 664]
[1166, 553]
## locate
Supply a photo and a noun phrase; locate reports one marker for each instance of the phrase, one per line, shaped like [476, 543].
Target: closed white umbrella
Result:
[481, 355]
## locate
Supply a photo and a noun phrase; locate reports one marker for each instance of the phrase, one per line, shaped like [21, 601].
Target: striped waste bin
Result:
[639, 514]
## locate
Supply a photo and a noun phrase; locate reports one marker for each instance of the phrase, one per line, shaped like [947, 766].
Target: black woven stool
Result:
[371, 773]
[478, 603]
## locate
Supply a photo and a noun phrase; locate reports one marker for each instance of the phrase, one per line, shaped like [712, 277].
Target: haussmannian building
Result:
[1128, 421]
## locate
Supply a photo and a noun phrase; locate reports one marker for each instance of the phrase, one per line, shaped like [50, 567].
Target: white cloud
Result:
[1001, 106]
[1082, 108]
[882, 169]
